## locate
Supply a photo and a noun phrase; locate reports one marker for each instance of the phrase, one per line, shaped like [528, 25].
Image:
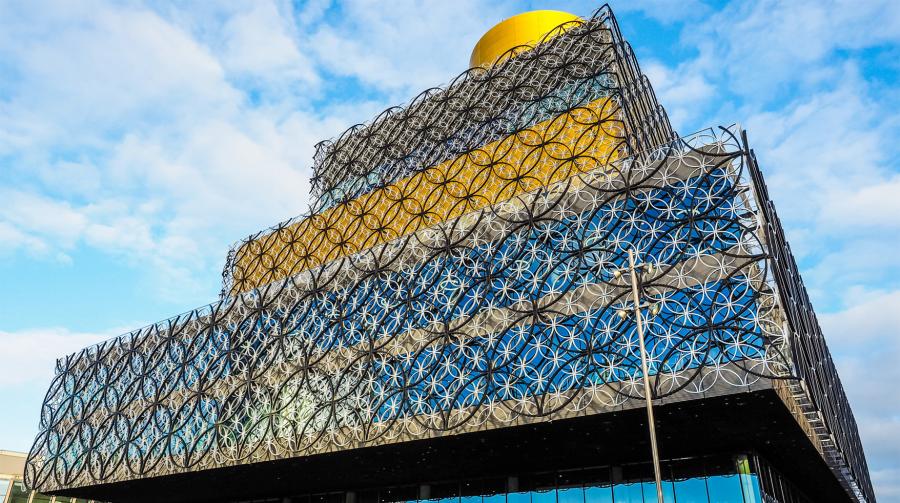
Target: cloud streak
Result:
[156, 135]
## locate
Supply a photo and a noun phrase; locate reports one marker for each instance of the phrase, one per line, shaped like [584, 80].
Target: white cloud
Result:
[125, 131]
[259, 42]
[794, 73]
[407, 48]
[160, 134]
[679, 89]
[30, 355]
[864, 341]
[763, 48]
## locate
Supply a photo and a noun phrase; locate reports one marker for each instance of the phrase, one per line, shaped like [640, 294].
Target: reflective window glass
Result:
[445, 493]
[749, 480]
[570, 495]
[17, 493]
[495, 498]
[725, 489]
[598, 494]
[40, 498]
[691, 490]
[750, 485]
[518, 497]
[628, 493]
[667, 489]
[546, 496]
[399, 494]
[4, 487]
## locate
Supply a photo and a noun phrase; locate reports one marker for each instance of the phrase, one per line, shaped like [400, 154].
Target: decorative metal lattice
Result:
[459, 271]
[575, 101]
[505, 315]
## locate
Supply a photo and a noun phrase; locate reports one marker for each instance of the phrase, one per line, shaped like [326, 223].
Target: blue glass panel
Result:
[495, 498]
[667, 489]
[628, 493]
[523, 497]
[725, 489]
[691, 491]
[543, 496]
[571, 495]
[750, 484]
[470, 499]
[598, 494]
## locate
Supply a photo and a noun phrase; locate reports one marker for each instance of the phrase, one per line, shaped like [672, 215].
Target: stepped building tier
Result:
[464, 313]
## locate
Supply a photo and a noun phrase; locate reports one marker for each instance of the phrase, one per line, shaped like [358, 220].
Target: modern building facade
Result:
[466, 313]
[12, 484]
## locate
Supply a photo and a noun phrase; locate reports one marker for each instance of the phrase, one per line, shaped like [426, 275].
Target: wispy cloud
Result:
[30, 356]
[799, 76]
[864, 340]
[157, 134]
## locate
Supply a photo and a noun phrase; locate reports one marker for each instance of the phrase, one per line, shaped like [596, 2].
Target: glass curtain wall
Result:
[731, 479]
[14, 491]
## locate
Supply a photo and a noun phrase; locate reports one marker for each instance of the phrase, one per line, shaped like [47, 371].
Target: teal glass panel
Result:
[570, 495]
[667, 489]
[548, 496]
[750, 488]
[598, 494]
[520, 497]
[691, 490]
[495, 498]
[725, 489]
[749, 480]
[628, 493]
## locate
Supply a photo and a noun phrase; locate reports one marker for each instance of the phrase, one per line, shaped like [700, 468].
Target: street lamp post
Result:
[636, 294]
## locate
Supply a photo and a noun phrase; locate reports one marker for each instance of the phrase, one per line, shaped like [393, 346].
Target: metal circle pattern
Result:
[501, 316]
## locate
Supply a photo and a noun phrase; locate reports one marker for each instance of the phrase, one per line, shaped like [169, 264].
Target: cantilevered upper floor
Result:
[459, 283]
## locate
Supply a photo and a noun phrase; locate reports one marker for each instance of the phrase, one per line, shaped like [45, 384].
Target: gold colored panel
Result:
[553, 150]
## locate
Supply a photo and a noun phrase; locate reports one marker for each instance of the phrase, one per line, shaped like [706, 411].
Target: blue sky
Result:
[138, 141]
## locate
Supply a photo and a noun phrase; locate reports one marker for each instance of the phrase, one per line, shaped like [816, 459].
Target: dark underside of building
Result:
[699, 439]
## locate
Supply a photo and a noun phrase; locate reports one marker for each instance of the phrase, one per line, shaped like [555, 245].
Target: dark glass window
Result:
[398, 494]
[597, 485]
[40, 498]
[445, 492]
[17, 492]
[367, 497]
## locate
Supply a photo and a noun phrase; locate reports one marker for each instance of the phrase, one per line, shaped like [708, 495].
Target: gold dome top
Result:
[525, 28]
